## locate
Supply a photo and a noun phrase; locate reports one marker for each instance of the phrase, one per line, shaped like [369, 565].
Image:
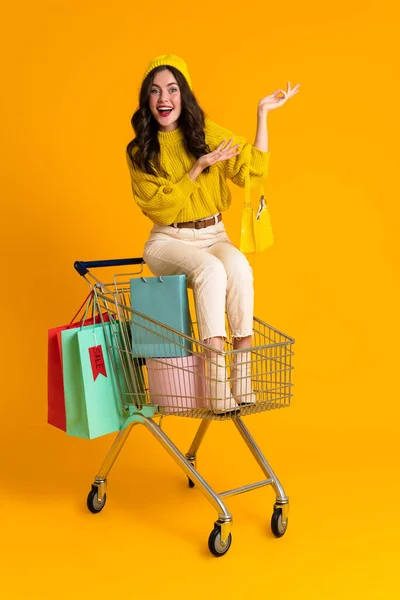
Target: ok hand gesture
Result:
[277, 98]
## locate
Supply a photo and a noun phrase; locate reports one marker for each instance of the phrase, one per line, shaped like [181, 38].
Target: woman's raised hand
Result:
[277, 99]
[222, 152]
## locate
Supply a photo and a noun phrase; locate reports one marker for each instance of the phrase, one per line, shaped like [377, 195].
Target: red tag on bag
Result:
[97, 361]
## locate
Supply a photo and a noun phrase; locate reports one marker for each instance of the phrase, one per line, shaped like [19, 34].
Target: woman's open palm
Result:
[222, 152]
[277, 98]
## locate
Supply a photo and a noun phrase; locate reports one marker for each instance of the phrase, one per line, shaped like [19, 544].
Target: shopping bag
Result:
[164, 299]
[177, 383]
[55, 384]
[94, 383]
[256, 233]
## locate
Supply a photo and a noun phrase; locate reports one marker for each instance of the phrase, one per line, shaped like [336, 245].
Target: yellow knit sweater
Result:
[179, 199]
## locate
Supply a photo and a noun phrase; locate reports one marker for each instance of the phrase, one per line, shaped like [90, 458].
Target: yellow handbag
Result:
[256, 230]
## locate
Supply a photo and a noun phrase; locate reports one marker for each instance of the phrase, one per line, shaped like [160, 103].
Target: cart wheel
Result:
[191, 483]
[214, 542]
[93, 503]
[278, 528]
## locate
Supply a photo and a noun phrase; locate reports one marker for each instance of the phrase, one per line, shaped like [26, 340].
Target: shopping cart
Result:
[183, 386]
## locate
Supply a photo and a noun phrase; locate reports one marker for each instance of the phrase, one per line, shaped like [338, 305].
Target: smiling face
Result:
[165, 100]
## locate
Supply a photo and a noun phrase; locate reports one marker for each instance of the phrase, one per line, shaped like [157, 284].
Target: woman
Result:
[179, 162]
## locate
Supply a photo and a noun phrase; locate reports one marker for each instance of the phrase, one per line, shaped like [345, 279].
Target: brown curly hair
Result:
[191, 122]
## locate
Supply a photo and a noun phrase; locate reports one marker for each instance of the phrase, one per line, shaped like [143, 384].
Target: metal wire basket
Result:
[189, 378]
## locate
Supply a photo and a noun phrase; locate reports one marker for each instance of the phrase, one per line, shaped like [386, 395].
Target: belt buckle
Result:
[197, 224]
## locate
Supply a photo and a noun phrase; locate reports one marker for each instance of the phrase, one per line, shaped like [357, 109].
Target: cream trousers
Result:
[216, 270]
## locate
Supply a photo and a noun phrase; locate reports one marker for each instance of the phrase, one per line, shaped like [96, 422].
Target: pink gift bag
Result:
[176, 383]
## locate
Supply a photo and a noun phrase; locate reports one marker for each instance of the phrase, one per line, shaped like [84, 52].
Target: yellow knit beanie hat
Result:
[169, 60]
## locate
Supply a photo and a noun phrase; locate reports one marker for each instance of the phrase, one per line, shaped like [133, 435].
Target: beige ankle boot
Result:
[218, 391]
[242, 387]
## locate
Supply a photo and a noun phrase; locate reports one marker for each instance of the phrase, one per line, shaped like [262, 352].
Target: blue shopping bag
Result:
[94, 392]
[164, 299]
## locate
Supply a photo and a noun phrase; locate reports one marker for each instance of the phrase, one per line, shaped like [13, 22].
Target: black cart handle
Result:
[83, 266]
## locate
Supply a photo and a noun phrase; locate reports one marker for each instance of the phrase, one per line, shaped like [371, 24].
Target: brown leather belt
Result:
[198, 224]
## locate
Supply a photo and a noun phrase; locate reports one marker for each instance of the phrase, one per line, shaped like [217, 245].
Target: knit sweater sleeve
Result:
[160, 199]
[235, 167]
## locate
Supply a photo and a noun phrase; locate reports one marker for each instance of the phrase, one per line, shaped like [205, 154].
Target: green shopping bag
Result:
[94, 392]
[164, 299]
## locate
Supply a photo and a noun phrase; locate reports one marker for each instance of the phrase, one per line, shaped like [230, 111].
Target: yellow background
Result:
[70, 77]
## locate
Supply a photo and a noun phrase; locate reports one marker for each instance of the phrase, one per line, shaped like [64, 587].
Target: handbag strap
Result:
[247, 193]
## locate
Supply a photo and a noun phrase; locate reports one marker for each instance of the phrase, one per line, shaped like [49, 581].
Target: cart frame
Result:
[144, 414]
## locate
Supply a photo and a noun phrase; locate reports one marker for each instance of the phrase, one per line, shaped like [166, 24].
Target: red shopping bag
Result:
[55, 383]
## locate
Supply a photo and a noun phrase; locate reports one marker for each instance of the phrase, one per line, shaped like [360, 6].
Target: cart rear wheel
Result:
[93, 503]
[214, 543]
[277, 525]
